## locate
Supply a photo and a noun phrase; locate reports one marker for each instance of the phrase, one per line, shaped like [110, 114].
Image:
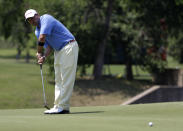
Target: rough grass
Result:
[165, 117]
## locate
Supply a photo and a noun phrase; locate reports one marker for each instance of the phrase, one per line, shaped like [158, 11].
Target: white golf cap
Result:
[30, 13]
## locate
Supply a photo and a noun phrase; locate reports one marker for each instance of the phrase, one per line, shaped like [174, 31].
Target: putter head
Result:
[46, 107]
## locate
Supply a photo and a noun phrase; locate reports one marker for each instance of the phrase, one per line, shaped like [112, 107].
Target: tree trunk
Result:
[129, 74]
[18, 53]
[27, 58]
[128, 61]
[101, 48]
[181, 57]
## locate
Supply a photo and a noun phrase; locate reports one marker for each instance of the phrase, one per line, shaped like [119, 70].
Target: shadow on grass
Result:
[110, 85]
[92, 112]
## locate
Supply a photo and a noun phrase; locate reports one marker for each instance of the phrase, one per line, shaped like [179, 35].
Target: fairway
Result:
[165, 116]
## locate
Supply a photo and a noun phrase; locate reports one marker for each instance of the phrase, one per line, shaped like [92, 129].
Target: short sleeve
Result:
[45, 45]
[46, 26]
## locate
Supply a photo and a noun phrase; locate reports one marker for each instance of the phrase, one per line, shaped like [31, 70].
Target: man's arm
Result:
[41, 42]
[40, 55]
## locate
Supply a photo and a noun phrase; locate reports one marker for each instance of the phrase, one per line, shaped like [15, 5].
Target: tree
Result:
[90, 22]
[13, 23]
[156, 24]
[124, 35]
[102, 45]
[79, 16]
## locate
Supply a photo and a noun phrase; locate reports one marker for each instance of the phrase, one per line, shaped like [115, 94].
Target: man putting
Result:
[53, 35]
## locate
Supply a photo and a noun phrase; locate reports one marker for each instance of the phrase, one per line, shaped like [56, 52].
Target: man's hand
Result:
[41, 60]
[38, 55]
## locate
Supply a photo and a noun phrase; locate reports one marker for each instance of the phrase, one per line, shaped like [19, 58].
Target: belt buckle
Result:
[71, 41]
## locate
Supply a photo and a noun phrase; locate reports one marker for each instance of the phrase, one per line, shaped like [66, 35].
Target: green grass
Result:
[119, 71]
[20, 84]
[11, 53]
[21, 91]
[172, 63]
[21, 87]
[115, 70]
[165, 116]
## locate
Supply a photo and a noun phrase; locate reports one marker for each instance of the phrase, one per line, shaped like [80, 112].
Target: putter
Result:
[44, 96]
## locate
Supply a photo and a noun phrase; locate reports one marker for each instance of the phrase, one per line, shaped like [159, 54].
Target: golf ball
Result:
[150, 124]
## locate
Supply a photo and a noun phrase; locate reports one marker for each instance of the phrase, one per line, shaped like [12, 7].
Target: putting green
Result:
[165, 117]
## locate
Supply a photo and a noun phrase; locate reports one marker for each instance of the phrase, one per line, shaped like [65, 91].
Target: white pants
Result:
[65, 64]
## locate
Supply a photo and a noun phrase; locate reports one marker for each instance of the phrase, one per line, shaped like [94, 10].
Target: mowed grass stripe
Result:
[165, 116]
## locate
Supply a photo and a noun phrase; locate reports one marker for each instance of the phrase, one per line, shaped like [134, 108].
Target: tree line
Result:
[126, 32]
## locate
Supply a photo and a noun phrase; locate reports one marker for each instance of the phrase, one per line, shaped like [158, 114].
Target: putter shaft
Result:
[44, 96]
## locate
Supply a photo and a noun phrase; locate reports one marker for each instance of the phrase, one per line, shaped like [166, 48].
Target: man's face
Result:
[33, 20]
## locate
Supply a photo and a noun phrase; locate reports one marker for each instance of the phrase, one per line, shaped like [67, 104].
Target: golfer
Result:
[53, 35]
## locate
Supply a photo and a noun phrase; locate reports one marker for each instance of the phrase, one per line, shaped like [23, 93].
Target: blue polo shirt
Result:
[57, 35]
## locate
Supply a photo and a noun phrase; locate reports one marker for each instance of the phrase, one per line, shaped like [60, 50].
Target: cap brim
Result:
[29, 16]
